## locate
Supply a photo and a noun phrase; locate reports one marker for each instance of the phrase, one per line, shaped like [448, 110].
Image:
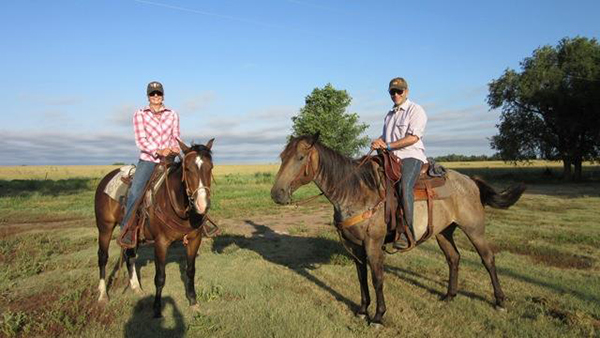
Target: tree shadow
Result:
[414, 278]
[556, 287]
[297, 253]
[141, 323]
[11, 188]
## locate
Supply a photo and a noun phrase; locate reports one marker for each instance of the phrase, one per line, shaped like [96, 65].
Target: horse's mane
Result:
[334, 167]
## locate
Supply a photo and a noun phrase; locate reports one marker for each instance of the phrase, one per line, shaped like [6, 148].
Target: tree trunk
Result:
[567, 169]
[577, 164]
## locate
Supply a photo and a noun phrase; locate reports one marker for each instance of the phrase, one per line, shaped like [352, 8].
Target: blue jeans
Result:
[411, 168]
[143, 171]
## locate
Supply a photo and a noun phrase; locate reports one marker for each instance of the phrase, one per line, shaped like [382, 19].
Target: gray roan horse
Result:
[178, 211]
[305, 159]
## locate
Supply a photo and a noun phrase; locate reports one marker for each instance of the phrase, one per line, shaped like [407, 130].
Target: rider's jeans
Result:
[143, 171]
[410, 173]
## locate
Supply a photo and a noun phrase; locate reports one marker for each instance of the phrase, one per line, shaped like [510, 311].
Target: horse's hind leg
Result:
[192, 252]
[476, 236]
[361, 269]
[104, 236]
[446, 242]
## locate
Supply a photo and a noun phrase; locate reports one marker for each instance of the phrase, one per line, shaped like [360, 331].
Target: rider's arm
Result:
[175, 134]
[142, 140]
[415, 130]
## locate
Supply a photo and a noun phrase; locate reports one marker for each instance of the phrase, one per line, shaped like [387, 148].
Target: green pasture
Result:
[274, 273]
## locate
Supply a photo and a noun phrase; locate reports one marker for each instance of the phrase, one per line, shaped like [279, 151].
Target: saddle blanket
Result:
[116, 188]
[420, 209]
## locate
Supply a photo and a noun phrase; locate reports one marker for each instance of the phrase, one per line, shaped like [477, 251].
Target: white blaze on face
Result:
[200, 198]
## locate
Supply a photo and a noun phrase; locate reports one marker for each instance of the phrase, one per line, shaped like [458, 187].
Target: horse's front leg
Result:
[375, 259]
[192, 252]
[134, 281]
[361, 269]
[160, 257]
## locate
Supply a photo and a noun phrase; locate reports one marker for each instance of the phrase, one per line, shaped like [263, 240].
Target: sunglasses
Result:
[396, 92]
[157, 93]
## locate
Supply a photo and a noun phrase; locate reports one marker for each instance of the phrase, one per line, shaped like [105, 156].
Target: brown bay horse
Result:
[178, 210]
[353, 189]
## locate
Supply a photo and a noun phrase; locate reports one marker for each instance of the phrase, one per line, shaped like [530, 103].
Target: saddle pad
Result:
[441, 192]
[116, 188]
[420, 209]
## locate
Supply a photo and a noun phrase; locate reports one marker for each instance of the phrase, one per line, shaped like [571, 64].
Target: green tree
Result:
[325, 112]
[551, 108]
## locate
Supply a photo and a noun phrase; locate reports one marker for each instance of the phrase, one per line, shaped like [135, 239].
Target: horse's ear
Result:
[183, 146]
[209, 143]
[315, 138]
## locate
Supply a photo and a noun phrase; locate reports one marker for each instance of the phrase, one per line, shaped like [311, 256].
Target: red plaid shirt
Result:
[155, 131]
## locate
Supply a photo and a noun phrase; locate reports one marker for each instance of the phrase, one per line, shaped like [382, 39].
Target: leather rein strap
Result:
[182, 214]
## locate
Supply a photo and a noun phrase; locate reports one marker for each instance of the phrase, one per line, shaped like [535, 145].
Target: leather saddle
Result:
[423, 190]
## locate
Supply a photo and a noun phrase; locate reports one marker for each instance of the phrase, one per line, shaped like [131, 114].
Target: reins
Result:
[184, 214]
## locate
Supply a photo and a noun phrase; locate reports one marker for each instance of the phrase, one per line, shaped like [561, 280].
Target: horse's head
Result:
[197, 173]
[299, 164]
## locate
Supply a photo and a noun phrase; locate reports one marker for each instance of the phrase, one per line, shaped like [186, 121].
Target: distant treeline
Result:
[465, 158]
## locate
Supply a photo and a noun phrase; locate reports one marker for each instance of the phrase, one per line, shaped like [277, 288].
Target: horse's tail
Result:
[501, 200]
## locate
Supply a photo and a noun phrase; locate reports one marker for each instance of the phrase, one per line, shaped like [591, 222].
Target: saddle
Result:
[141, 210]
[423, 191]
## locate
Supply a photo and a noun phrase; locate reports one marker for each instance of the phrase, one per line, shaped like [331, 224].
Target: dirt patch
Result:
[290, 221]
[17, 228]
[32, 303]
[547, 256]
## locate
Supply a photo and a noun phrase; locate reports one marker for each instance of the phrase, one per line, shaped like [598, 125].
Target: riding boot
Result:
[401, 243]
[126, 239]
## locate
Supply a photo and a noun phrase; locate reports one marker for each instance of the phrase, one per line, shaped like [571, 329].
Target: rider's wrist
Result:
[388, 146]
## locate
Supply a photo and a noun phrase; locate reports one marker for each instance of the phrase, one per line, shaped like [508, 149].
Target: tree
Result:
[325, 112]
[551, 109]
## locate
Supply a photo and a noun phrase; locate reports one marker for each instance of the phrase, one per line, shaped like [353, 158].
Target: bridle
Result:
[184, 214]
[190, 193]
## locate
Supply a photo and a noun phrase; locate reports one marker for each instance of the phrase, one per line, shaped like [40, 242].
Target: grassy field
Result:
[281, 272]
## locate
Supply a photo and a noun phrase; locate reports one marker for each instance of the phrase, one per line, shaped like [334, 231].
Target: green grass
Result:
[299, 282]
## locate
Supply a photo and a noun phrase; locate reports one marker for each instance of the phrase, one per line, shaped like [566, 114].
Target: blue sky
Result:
[73, 72]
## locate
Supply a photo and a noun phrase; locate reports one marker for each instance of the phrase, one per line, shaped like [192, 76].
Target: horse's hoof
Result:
[376, 325]
[195, 308]
[138, 291]
[447, 298]
[158, 316]
[103, 299]
[500, 308]
[361, 315]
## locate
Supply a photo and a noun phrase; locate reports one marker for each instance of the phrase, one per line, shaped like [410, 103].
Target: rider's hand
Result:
[163, 152]
[174, 151]
[378, 144]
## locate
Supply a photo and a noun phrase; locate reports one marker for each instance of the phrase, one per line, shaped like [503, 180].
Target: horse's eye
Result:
[301, 158]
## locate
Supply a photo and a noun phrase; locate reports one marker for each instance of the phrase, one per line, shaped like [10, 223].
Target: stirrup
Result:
[131, 243]
[401, 243]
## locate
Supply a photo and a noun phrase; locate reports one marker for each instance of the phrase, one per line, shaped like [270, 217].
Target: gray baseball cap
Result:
[155, 86]
[398, 83]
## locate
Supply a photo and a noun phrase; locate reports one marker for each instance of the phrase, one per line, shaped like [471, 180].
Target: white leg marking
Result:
[134, 282]
[102, 288]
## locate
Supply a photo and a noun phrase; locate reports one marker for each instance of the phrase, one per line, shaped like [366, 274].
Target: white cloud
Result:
[67, 100]
[199, 101]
